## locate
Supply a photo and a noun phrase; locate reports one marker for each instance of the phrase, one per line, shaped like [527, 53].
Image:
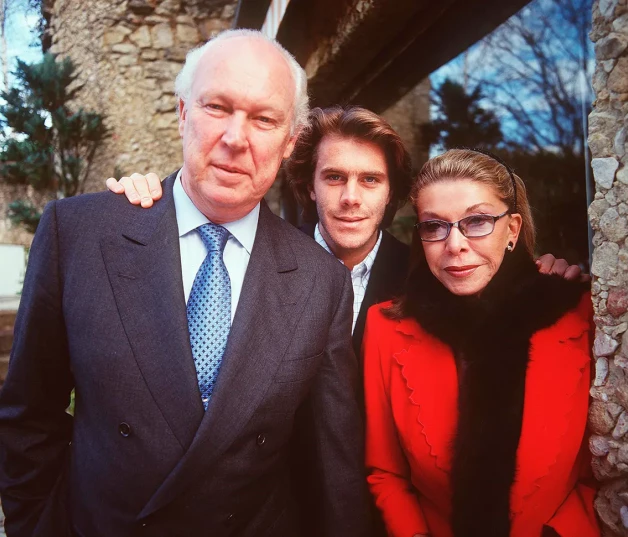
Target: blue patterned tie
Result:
[209, 310]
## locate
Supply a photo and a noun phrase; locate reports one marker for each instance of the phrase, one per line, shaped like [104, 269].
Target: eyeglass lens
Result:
[471, 226]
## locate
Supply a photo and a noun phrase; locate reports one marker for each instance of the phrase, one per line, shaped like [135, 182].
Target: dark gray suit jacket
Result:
[103, 311]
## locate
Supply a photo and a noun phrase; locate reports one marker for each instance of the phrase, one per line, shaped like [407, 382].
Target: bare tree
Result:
[532, 70]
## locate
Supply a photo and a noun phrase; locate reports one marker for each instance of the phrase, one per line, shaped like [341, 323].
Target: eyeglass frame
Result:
[451, 225]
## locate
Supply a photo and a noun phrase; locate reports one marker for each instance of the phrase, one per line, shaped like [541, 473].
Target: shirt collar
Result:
[365, 266]
[189, 218]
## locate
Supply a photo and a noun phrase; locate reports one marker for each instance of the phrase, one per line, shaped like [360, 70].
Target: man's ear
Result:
[310, 187]
[183, 112]
[291, 143]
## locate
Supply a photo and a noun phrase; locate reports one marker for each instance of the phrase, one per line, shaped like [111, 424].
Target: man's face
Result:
[236, 126]
[351, 190]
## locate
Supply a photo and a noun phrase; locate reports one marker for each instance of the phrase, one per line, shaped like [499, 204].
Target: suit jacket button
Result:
[124, 429]
[261, 440]
[230, 519]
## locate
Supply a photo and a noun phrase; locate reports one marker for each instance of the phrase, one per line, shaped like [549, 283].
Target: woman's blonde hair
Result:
[486, 169]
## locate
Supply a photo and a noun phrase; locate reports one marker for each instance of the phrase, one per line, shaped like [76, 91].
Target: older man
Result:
[193, 334]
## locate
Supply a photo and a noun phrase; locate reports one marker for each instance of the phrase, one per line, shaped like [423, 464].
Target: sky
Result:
[21, 39]
[481, 61]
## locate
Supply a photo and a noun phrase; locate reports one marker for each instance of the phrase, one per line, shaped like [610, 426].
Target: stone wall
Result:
[608, 124]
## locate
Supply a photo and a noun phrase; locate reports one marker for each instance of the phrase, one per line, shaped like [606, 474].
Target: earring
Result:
[510, 247]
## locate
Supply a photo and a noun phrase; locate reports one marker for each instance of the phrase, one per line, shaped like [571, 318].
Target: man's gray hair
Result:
[183, 82]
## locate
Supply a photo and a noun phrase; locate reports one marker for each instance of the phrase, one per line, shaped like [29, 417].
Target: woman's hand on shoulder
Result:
[139, 189]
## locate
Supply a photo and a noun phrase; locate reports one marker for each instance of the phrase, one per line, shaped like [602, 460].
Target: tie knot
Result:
[214, 237]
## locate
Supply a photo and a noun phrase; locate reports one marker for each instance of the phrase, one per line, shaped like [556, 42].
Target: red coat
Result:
[411, 391]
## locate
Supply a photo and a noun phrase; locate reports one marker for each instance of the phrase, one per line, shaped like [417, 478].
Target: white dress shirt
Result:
[360, 274]
[193, 252]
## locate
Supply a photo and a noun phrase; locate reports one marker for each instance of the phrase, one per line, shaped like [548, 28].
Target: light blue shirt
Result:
[193, 252]
[360, 274]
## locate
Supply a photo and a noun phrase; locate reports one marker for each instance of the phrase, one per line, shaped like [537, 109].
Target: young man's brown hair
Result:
[349, 122]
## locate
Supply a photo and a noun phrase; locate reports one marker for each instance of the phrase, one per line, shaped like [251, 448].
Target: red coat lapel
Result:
[432, 380]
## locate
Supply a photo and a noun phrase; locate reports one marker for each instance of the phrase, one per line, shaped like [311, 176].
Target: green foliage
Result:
[460, 121]
[43, 142]
[23, 212]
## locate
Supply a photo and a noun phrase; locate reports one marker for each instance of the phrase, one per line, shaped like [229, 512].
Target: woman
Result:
[477, 378]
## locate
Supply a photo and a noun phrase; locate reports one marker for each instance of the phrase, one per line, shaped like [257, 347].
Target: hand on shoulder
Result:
[139, 189]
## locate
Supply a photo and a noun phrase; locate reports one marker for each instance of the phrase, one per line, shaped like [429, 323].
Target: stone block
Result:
[613, 226]
[620, 23]
[611, 47]
[157, 19]
[161, 35]
[187, 34]
[141, 37]
[163, 70]
[168, 7]
[177, 53]
[596, 210]
[124, 48]
[605, 259]
[598, 445]
[607, 8]
[166, 103]
[185, 19]
[604, 171]
[141, 7]
[618, 78]
[151, 54]
[619, 143]
[165, 121]
[599, 143]
[600, 420]
[617, 302]
[127, 60]
[115, 35]
[601, 372]
[208, 28]
[621, 428]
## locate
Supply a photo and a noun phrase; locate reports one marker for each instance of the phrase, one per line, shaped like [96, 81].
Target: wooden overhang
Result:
[372, 52]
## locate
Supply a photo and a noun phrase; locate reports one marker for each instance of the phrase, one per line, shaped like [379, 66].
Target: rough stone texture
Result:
[608, 416]
[128, 54]
[604, 171]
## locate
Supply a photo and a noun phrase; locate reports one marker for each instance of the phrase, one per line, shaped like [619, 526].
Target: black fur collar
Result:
[490, 337]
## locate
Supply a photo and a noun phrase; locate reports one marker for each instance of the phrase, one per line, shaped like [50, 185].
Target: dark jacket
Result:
[103, 311]
[386, 281]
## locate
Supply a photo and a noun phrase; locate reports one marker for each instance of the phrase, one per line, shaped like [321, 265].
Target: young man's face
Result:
[351, 190]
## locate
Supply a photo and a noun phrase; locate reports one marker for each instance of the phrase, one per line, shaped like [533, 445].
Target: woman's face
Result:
[464, 265]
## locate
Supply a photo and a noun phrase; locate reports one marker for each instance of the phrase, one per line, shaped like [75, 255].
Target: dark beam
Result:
[250, 14]
[400, 66]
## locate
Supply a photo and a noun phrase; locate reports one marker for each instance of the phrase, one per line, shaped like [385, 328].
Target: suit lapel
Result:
[387, 277]
[274, 294]
[144, 269]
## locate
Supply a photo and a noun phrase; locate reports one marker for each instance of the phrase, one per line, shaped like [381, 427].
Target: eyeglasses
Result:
[474, 226]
